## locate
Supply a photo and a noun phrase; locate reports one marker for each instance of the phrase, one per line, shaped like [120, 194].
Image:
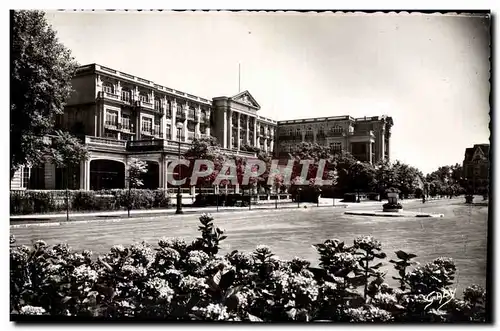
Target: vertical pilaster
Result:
[255, 131]
[198, 118]
[225, 133]
[185, 128]
[247, 135]
[230, 129]
[370, 153]
[173, 133]
[238, 143]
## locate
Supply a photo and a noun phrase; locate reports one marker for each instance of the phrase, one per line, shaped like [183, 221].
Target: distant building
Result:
[476, 167]
[119, 115]
[366, 138]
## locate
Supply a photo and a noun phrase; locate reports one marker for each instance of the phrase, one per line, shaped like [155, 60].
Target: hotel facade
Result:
[120, 116]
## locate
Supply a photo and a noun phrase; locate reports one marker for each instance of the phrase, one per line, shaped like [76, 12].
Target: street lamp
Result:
[179, 196]
[298, 197]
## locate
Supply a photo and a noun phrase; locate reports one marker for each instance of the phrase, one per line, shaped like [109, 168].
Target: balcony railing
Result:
[144, 104]
[155, 131]
[100, 141]
[112, 125]
[125, 125]
[180, 116]
[108, 95]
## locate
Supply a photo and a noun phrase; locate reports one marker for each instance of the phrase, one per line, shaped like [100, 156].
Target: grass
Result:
[461, 234]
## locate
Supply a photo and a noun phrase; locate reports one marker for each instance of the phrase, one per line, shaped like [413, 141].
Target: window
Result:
[25, 177]
[337, 129]
[111, 117]
[144, 97]
[147, 124]
[158, 104]
[126, 94]
[336, 146]
[126, 121]
[108, 87]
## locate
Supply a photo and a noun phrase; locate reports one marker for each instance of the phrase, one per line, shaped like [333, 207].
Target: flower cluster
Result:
[166, 283]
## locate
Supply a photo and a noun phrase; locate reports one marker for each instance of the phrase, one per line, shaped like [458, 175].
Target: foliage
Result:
[41, 202]
[181, 281]
[136, 169]
[40, 83]
[390, 205]
[206, 148]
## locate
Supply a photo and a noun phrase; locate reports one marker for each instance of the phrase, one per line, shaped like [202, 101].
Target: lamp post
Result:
[179, 196]
[298, 197]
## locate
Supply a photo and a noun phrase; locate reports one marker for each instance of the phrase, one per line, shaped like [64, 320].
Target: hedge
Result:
[41, 202]
[181, 281]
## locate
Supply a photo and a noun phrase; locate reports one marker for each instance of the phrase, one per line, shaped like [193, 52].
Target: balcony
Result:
[191, 115]
[159, 107]
[108, 96]
[125, 125]
[105, 142]
[180, 116]
[153, 132]
[144, 104]
[112, 125]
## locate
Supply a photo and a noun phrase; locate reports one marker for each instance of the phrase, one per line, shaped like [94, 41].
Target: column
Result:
[138, 126]
[185, 129]
[230, 130]
[118, 90]
[238, 143]
[85, 175]
[382, 142]
[173, 127]
[163, 119]
[255, 131]
[247, 141]
[197, 116]
[225, 129]
[271, 148]
[369, 152]
[152, 98]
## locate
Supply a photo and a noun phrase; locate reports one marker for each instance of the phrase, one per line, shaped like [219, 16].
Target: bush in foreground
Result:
[192, 281]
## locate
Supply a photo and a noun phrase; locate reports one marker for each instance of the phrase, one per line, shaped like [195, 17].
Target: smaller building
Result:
[476, 167]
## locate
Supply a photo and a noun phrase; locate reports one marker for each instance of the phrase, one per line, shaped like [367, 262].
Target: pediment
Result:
[247, 99]
[478, 154]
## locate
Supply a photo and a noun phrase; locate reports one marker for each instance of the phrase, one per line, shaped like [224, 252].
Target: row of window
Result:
[126, 95]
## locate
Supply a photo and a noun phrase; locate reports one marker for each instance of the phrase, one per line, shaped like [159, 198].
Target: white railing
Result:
[105, 141]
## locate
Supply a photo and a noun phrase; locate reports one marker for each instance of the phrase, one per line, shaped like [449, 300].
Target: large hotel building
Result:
[120, 116]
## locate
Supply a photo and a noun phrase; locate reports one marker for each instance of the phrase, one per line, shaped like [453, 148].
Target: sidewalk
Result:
[172, 210]
[187, 210]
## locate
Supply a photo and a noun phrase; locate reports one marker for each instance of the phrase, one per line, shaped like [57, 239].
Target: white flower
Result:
[161, 286]
[32, 310]
[190, 283]
[214, 312]
[85, 273]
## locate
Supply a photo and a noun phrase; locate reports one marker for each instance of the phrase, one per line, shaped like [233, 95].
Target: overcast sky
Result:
[430, 73]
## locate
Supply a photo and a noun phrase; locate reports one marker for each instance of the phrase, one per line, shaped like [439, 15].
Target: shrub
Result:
[41, 202]
[392, 206]
[191, 281]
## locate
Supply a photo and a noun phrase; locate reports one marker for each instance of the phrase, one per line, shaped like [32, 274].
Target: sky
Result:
[429, 72]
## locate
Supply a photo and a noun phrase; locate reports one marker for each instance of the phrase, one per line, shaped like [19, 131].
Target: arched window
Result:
[108, 87]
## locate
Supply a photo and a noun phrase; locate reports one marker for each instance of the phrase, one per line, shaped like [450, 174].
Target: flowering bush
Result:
[182, 281]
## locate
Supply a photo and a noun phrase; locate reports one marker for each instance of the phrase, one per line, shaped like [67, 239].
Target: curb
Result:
[393, 215]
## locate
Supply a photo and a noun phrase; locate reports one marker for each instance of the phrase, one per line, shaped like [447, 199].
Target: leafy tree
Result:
[40, 77]
[136, 169]
[66, 151]
[206, 148]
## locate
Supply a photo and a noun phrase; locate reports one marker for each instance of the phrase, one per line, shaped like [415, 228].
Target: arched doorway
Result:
[151, 178]
[106, 174]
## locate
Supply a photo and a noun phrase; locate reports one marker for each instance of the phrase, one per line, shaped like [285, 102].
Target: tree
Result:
[40, 83]
[136, 169]
[206, 148]
[66, 151]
